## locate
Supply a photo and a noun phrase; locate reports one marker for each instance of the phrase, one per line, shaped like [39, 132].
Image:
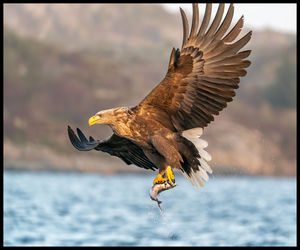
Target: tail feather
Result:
[203, 174]
[193, 178]
[205, 166]
[204, 155]
[196, 173]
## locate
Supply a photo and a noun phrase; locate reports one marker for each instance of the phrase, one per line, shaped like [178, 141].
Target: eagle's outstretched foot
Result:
[159, 179]
[170, 176]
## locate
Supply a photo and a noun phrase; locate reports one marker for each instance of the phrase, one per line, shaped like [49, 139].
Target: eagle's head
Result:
[109, 116]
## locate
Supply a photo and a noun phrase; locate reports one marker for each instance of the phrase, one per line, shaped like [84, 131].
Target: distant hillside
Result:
[46, 87]
[65, 75]
[132, 30]
[78, 26]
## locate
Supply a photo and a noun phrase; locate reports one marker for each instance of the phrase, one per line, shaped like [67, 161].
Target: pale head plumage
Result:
[108, 116]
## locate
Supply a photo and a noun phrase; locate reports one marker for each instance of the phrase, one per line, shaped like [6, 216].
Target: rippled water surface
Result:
[73, 209]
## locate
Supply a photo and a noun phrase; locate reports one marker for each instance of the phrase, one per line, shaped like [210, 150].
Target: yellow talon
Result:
[159, 179]
[170, 175]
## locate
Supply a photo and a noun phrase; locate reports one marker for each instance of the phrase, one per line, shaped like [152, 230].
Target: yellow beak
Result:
[94, 119]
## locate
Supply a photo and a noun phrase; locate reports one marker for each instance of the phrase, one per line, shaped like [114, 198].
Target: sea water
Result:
[75, 209]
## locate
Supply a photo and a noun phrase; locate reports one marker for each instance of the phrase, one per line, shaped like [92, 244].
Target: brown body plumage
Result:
[200, 81]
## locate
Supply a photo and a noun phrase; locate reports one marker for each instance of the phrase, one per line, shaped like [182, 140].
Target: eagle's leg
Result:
[170, 176]
[166, 175]
[166, 151]
[159, 179]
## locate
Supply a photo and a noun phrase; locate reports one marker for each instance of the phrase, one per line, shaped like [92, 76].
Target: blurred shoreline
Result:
[17, 168]
[40, 158]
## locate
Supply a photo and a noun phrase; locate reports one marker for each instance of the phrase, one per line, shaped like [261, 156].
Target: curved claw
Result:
[170, 176]
[159, 179]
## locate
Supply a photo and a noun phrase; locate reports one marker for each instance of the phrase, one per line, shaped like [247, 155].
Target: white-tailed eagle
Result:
[162, 132]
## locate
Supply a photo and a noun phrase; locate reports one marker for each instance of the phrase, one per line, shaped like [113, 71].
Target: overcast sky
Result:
[280, 17]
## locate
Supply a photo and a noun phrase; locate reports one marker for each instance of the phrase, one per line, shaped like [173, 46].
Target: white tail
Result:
[193, 135]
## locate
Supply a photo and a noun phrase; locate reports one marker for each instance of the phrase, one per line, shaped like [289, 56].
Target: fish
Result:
[157, 188]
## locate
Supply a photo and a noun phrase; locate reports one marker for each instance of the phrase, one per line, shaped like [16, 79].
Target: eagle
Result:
[163, 131]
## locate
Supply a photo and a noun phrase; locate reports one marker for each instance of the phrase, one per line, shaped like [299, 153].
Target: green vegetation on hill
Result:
[282, 92]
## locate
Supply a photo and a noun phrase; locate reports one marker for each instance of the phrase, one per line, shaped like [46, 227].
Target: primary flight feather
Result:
[163, 131]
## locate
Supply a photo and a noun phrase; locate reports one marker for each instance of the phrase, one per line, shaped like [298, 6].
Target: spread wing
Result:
[202, 77]
[117, 146]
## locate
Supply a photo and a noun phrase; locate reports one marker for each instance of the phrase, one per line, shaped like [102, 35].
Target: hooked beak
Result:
[94, 119]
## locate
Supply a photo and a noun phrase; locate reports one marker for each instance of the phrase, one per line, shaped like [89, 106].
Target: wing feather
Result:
[185, 26]
[235, 31]
[206, 20]
[216, 21]
[195, 21]
[206, 73]
[226, 23]
[117, 146]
